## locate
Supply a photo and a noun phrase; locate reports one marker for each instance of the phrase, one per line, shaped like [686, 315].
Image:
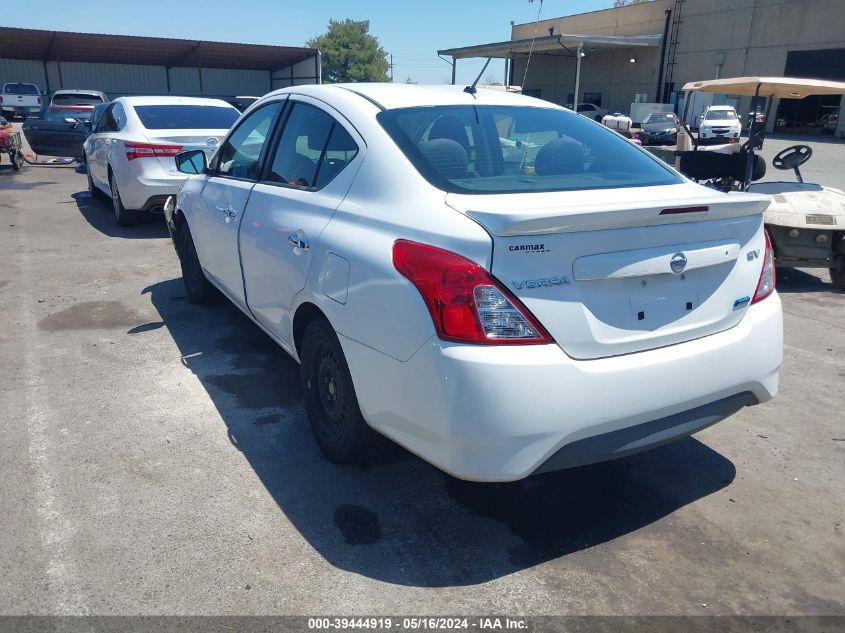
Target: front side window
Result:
[507, 149]
[312, 150]
[240, 153]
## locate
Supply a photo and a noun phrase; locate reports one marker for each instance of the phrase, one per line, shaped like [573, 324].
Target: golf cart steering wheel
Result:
[792, 157]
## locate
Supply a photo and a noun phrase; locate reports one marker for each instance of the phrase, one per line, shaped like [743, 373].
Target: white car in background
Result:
[719, 124]
[130, 153]
[490, 280]
[590, 110]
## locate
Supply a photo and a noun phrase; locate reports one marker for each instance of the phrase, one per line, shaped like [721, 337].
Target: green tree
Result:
[350, 53]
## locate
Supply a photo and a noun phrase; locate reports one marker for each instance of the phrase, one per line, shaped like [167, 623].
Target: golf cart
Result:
[805, 221]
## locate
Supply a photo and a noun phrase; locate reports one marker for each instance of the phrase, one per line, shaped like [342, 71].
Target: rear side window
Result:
[516, 149]
[186, 117]
[20, 89]
[312, 150]
[67, 99]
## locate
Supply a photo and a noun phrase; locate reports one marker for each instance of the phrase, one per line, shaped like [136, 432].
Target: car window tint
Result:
[510, 149]
[186, 117]
[301, 146]
[341, 149]
[107, 122]
[75, 98]
[119, 117]
[239, 155]
[20, 89]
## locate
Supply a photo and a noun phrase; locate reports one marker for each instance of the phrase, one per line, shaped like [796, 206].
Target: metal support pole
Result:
[752, 133]
[454, 61]
[661, 89]
[578, 55]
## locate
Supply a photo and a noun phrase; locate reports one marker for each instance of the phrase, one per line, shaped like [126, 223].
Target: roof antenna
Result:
[471, 89]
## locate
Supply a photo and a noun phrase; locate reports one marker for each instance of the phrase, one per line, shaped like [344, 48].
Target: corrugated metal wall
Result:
[22, 70]
[304, 72]
[123, 79]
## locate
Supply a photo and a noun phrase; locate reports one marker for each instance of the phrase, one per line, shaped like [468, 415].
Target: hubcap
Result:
[330, 394]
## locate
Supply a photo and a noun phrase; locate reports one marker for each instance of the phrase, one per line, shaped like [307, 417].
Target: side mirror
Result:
[71, 121]
[191, 162]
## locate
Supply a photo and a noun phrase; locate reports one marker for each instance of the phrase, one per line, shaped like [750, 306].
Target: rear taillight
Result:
[150, 150]
[466, 303]
[1, 100]
[766, 283]
[38, 100]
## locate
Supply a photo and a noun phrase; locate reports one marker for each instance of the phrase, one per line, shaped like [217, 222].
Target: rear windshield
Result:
[720, 115]
[186, 117]
[20, 89]
[67, 99]
[507, 149]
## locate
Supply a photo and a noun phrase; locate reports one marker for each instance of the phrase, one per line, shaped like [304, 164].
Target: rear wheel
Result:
[330, 402]
[124, 216]
[197, 286]
[837, 271]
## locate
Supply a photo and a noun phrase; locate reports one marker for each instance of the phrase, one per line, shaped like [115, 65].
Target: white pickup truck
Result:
[20, 99]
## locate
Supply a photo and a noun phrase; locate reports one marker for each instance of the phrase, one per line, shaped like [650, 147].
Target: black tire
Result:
[17, 161]
[330, 402]
[197, 286]
[124, 216]
[837, 276]
[92, 188]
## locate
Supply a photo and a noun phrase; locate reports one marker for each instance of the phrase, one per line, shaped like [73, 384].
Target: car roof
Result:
[168, 100]
[721, 107]
[387, 96]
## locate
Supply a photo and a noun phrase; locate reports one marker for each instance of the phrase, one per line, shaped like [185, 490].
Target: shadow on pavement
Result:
[99, 214]
[398, 519]
[793, 280]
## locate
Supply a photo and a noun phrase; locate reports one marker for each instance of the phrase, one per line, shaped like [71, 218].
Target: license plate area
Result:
[655, 301]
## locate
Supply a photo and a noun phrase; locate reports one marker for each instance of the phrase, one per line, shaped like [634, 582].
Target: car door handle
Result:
[296, 241]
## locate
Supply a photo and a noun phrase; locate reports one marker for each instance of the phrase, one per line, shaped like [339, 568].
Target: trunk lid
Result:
[626, 270]
[206, 140]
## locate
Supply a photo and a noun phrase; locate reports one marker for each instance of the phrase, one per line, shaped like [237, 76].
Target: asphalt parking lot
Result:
[157, 460]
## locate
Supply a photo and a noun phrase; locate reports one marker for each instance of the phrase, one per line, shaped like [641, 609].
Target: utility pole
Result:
[391, 68]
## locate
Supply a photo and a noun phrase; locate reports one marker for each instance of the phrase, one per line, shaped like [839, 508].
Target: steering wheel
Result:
[792, 157]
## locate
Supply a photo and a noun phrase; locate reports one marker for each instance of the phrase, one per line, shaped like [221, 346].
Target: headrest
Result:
[560, 157]
[450, 127]
[446, 156]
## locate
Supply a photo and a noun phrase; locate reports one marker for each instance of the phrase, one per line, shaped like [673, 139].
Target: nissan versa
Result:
[494, 282]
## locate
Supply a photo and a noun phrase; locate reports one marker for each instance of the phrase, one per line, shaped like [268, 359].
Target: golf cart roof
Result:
[782, 87]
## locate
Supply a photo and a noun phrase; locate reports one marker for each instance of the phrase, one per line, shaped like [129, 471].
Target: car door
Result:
[55, 138]
[306, 176]
[217, 211]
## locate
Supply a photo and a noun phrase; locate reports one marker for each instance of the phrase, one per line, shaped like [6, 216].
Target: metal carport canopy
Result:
[564, 44]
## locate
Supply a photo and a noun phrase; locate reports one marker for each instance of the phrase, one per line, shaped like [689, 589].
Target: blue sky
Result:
[412, 30]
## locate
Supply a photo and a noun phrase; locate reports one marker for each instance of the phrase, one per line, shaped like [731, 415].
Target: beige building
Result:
[648, 51]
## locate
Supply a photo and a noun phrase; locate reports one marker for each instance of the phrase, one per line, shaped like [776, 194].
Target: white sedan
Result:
[497, 284]
[130, 153]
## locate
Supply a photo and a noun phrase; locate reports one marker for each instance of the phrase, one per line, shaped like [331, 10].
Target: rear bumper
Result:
[146, 186]
[491, 413]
